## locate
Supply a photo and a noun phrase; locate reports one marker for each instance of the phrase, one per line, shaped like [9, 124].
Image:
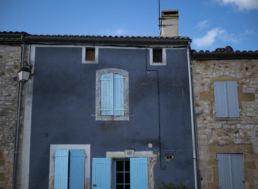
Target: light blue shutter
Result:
[77, 166]
[231, 171]
[226, 99]
[101, 173]
[61, 169]
[107, 94]
[139, 173]
[118, 95]
[232, 97]
[220, 93]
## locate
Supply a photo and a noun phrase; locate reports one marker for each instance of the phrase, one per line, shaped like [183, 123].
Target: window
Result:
[122, 174]
[231, 171]
[112, 94]
[226, 99]
[158, 57]
[69, 166]
[90, 55]
[127, 173]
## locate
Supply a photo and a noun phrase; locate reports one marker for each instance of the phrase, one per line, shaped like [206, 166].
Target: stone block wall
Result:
[10, 58]
[226, 135]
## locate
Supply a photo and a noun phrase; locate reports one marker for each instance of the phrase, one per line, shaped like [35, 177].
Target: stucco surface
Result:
[63, 109]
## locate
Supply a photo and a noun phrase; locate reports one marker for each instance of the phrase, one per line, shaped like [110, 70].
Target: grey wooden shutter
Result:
[118, 95]
[232, 97]
[231, 171]
[226, 99]
[107, 94]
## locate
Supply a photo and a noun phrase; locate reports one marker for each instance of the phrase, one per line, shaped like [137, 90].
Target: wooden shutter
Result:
[77, 166]
[61, 169]
[232, 97]
[220, 94]
[139, 173]
[118, 95]
[230, 171]
[101, 173]
[107, 94]
[226, 99]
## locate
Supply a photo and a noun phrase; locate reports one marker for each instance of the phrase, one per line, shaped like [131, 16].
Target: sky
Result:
[210, 24]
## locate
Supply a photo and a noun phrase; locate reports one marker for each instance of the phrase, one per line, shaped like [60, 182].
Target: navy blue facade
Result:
[63, 109]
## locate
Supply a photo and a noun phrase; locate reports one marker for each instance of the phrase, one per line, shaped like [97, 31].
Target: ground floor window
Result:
[127, 173]
[122, 174]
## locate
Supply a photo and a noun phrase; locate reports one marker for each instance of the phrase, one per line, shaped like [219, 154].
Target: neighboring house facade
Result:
[10, 58]
[105, 112]
[225, 85]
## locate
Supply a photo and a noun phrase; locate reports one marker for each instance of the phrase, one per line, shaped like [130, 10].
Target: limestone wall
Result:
[228, 135]
[10, 58]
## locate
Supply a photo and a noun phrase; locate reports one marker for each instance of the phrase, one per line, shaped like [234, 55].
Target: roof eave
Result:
[225, 55]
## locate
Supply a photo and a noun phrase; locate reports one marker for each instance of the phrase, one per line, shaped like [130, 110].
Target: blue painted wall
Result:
[64, 102]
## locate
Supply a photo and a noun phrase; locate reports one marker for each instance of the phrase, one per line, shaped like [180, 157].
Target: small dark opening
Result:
[174, 12]
[157, 55]
[90, 54]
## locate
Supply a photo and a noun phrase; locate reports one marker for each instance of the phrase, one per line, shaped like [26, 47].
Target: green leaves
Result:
[171, 186]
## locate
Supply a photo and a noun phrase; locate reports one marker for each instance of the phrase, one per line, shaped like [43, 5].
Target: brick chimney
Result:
[169, 23]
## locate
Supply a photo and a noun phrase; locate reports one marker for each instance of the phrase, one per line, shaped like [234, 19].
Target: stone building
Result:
[225, 87]
[10, 59]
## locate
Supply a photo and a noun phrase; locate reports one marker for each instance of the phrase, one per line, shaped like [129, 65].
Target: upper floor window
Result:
[112, 94]
[226, 99]
[90, 55]
[158, 57]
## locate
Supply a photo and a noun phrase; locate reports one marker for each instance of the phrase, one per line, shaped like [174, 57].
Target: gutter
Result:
[18, 117]
[192, 118]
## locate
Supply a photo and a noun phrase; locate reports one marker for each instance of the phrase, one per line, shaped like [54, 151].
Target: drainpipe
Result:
[192, 117]
[18, 117]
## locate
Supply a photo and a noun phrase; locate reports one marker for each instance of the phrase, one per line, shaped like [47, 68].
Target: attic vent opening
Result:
[157, 55]
[171, 12]
[90, 54]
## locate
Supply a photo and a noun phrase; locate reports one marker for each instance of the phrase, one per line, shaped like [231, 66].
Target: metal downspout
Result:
[18, 118]
[192, 117]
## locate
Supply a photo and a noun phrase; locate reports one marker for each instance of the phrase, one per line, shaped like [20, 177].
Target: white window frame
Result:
[84, 61]
[54, 147]
[98, 116]
[164, 58]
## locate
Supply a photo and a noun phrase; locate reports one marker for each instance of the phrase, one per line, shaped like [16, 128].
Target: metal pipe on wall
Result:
[192, 117]
[18, 117]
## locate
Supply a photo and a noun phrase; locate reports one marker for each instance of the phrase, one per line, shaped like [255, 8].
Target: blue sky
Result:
[210, 24]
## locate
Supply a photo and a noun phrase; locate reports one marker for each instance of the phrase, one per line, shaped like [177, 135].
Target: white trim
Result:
[26, 134]
[164, 58]
[54, 147]
[84, 61]
[137, 154]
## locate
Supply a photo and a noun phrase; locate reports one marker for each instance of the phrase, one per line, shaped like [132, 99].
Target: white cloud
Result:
[202, 24]
[212, 35]
[241, 4]
[119, 32]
